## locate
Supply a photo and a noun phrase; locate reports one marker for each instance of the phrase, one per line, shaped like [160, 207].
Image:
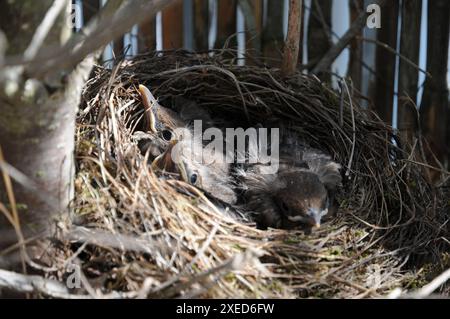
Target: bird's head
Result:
[160, 125]
[212, 177]
[301, 198]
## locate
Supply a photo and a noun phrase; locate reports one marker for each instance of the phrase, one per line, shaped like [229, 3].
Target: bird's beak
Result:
[166, 163]
[183, 172]
[148, 100]
[315, 216]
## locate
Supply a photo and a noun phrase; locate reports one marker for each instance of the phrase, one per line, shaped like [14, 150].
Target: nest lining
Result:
[174, 242]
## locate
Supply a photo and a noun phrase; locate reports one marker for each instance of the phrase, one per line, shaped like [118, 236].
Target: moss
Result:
[40, 174]
[275, 285]
[12, 122]
[292, 240]
[238, 247]
[336, 250]
[230, 277]
[420, 279]
[359, 233]
[22, 206]
[19, 206]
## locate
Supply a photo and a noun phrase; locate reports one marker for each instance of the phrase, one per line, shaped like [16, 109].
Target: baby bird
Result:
[159, 125]
[204, 170]
[174, 148]
[300, 193]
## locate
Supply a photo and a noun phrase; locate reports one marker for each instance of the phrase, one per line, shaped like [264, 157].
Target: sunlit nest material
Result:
[134, 232]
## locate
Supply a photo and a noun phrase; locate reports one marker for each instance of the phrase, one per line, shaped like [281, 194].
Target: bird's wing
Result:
[296, 153]
[330, 176]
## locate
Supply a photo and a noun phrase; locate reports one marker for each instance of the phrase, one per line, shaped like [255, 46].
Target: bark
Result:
[292, 45]
[201, 25]
[172, 21]
[408, 74]
[37, 125]
[434, 108]
[273, 37]
[385, 61]
[302, 31]
[38, 103]
[319, 36]
[226, 24]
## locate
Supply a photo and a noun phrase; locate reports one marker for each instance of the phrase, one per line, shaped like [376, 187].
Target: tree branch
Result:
[51, 288]
[44, 28]
[292, 44]
[29, 284]
[108, 27]
[343, 42]
[395, 52]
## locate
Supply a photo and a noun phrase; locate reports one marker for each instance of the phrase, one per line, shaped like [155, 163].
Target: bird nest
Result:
[136, 234]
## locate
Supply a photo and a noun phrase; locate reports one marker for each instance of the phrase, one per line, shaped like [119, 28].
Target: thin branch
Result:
[393, 51]
[326, 28]
[51, 288]
[31, 284]
[44, 28]
[109, 27]
[351, 33]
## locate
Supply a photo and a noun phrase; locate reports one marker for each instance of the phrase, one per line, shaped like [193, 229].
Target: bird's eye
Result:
[193, 179]
[166, 135]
